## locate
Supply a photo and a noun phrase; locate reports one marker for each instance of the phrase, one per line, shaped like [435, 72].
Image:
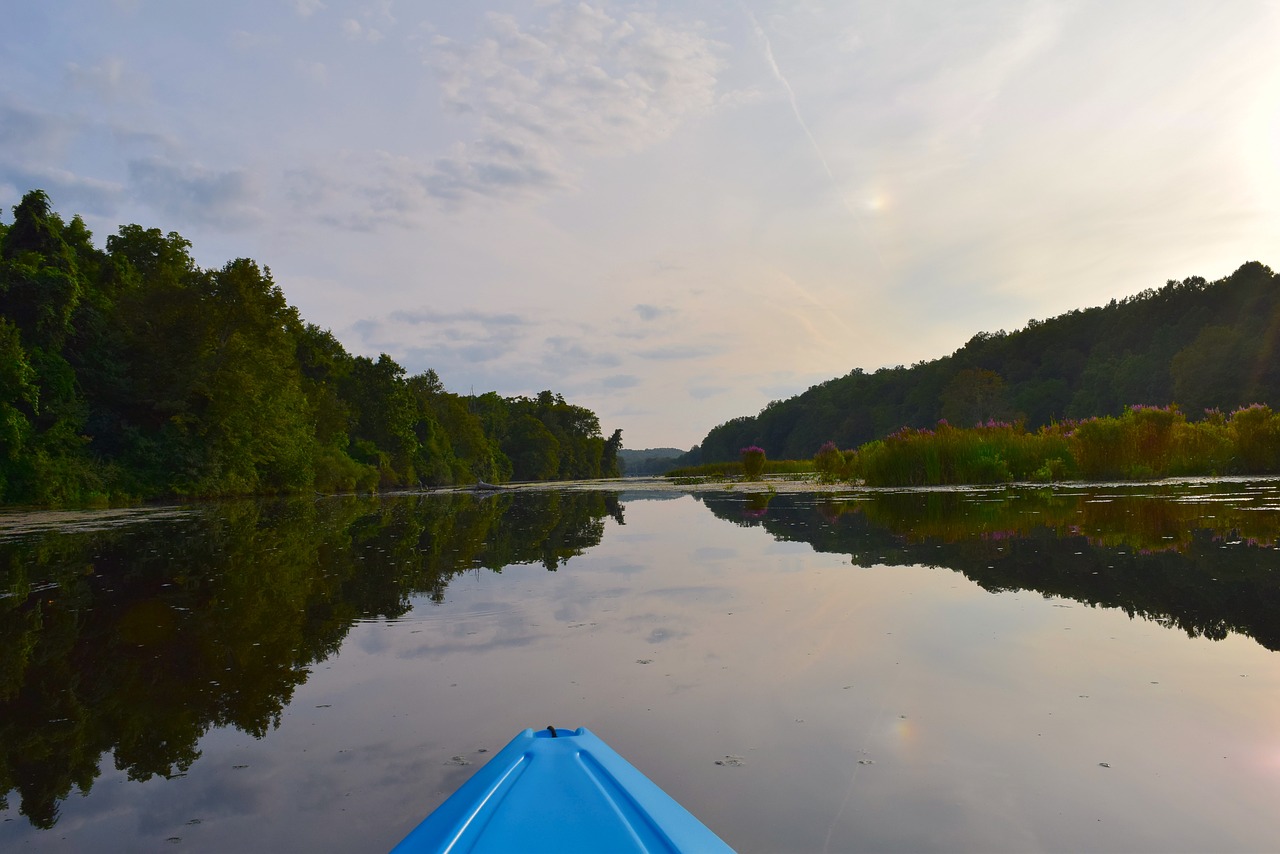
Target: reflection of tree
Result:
[1206, 567]
[137, 641]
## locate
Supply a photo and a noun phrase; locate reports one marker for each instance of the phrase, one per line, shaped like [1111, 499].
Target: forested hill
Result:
[1194, 343]
[130, 372]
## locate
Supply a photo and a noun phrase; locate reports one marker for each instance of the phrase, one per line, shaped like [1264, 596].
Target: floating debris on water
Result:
[458, 760]
[644, 661]
[732, 762]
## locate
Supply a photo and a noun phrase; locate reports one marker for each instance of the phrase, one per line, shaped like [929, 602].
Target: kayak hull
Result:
[561, 793]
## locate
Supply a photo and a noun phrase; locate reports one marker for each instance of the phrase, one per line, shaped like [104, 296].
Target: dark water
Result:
[985, 670]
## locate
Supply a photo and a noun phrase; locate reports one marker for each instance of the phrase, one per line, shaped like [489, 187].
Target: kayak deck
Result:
[560, 790]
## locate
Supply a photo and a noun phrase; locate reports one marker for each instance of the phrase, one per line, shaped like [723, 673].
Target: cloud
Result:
[244, 40]
[583, 82]
[306, 8]
[437, 318]
[620, 381]
[68, 190]
[195, 194]
[702, 392]
[108, 80]
[445, 341]
[317, 72]
[391, 190]
[563, 353]
[32, 133]
[652, 312]
[677, 352]
[355, 31]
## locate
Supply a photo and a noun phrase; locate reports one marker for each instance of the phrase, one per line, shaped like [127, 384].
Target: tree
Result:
[609, 465]
[383, 417]
[533, 449]
[975, 395]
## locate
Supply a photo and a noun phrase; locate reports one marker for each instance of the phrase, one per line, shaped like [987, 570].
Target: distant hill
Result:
[649, 461]
[1195, 343]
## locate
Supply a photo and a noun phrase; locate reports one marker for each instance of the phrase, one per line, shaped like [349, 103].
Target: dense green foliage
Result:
[130, 372]
[1144, 442]
[1202, 345]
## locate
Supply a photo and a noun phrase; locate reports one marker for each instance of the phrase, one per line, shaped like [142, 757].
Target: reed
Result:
[1144, 442]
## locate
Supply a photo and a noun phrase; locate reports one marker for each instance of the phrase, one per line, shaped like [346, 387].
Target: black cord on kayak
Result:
[552, 730]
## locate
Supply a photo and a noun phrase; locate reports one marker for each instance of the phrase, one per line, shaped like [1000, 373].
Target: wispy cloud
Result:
[791, 95]
[108, 79]
[306, 8]
[677, 352]
[583, 81]
[26, 133]
[564, 353]
[67, 189]
[195, 194]
[439, 318]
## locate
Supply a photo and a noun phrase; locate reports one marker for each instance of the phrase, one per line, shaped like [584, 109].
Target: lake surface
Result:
[1078, 669]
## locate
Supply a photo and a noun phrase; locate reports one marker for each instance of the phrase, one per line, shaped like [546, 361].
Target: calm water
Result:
[987, 670]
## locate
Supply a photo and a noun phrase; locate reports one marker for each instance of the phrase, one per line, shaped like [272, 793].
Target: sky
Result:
[671, 213]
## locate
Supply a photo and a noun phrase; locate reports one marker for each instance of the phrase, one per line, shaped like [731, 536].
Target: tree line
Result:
[1202, 345]
[130, 372]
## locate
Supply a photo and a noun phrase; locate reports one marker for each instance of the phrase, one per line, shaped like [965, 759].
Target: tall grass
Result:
[1144, 442]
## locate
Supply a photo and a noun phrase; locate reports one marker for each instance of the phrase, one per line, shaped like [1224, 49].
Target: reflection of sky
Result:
[890, 708]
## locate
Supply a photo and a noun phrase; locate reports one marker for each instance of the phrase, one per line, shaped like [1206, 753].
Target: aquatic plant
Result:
[830, 463]
[752, 462]
[1144, 442]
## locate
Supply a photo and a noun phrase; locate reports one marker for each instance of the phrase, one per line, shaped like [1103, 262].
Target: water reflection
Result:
[897, 708]
[1200, 557]
[136, 640]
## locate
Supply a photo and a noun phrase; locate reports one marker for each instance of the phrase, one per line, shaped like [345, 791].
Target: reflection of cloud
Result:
[584, 81]
[695, 594]
[216, 792]
[661, 635]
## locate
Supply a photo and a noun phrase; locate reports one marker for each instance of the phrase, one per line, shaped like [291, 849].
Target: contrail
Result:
[791, 95]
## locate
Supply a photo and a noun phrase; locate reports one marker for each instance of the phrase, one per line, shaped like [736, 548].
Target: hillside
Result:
[1195, 343]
